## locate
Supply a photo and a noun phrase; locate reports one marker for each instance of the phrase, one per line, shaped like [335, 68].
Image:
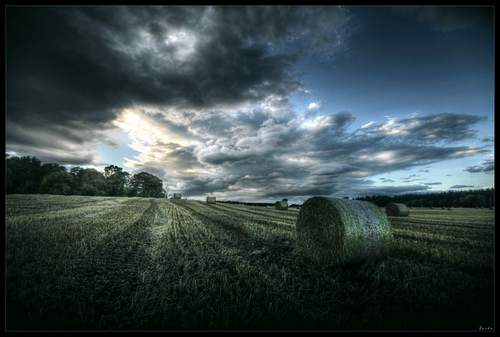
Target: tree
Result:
[77, 173]
[49, 168]
[116, 180]
[8, 180]
[146, 185]
[57, 182]
[471, 198]
[92, 182]
[27, 175]
[23, 174]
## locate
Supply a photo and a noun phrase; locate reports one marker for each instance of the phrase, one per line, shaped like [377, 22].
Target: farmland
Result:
[77, 262]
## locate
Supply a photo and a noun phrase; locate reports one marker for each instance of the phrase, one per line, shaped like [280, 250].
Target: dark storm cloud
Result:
[56, 143]
[450, 18]
[391, 190]
[199, 186]
[487, 165]
[461, 186]
[225, 157]
[56, 155]
[474, 169]
[443, 127]
[111, 58]
[433, 184]
[317, 29]
[68, 65]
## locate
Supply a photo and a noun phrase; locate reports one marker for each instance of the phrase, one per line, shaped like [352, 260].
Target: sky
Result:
[258, 103]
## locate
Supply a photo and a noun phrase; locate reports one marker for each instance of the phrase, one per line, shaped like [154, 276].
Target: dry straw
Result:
[331, 230]
[393, 209]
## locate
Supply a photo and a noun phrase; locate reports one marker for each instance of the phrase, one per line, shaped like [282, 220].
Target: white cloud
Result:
[183, 42]
[367, 125]
[314, 106]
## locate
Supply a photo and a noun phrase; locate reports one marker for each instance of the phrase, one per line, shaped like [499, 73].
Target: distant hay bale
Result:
[338, 231]
[281, 205]
[177, 196]
[393, 209]
[211, 200]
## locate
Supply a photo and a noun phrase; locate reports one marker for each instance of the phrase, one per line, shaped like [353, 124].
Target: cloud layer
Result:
[488, 165]
[203, 95]
[269, 153]
[71, 68]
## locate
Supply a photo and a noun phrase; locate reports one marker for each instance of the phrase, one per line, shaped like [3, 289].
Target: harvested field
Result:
[135, 263]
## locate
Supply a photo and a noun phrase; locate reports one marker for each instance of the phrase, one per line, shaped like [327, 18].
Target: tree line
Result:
[483, 198]
[27, 175]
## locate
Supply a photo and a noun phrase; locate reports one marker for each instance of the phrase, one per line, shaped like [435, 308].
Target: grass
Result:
[132, 263]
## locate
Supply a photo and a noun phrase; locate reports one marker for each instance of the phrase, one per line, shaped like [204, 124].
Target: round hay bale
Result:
[281, 205]
[393, 209]
[338, 231]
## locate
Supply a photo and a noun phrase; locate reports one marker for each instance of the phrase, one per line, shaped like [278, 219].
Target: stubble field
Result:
[77, 262]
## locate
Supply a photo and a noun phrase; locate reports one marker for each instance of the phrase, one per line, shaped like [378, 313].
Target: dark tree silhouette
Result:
[116, 180]
[27, 175]
[24, 174]
[57, 182]
[471, 198]
[144, 184]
